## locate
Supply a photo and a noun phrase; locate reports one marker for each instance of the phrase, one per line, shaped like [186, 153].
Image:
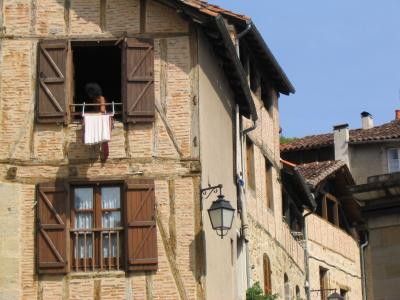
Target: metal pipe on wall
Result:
[364, 283]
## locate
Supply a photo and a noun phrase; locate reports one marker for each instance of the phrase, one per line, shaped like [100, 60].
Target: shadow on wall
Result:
[197, 256]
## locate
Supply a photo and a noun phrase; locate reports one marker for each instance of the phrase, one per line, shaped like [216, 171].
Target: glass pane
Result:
[111, 197]
[80, 248]
[106, 245]
[215, 216]
[394, 163]
[83, 198]
[227, 218]
[393, 154]
[111, 219]
[83, 221]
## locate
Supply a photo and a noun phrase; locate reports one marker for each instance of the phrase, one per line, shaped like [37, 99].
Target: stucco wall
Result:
[368, 160]
[217, 142]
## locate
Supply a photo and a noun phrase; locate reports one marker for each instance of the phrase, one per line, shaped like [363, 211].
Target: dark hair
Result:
[93, 90]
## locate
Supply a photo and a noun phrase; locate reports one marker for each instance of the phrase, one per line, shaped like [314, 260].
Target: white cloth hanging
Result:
[97, 128]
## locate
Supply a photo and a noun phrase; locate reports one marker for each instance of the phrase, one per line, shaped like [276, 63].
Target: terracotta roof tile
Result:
[383, 132]
[316, 172]
[213, 10]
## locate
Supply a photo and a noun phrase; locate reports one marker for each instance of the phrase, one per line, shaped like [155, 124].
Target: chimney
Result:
[341, 142]
[366, 120]
[397, 114]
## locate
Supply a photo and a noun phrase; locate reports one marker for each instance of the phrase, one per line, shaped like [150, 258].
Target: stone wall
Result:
[330, 247]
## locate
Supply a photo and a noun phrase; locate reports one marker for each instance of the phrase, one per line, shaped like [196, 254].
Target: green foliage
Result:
[286, 140]
[256, 293]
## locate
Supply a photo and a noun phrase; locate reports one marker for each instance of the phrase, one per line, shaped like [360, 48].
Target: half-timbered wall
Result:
[33, 152]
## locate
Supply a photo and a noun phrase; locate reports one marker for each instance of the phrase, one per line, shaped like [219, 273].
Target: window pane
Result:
[80, 249]
[106, 245]
[393, 158]
[111, 197]
[83, 198]
[111, 219]
[83, 221]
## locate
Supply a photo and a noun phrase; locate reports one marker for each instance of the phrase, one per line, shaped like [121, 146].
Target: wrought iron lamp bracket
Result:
[206, 192]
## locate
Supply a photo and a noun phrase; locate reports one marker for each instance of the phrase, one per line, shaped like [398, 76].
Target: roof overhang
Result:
[295, 184]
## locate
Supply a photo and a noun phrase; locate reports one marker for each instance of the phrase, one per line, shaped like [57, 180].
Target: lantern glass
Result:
[216, 219]
[221, 215]
[227, 218]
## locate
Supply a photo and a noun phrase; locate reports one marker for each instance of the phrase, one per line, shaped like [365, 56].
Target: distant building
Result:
[327, 225]
[372, 154]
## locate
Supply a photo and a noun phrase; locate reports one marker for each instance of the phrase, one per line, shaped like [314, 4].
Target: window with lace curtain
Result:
[96, 227]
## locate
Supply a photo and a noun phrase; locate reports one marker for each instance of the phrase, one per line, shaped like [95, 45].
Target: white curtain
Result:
[84, 220]
[111, 198]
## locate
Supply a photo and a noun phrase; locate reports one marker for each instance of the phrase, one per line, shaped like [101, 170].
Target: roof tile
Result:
[316, 172]
[383, 132]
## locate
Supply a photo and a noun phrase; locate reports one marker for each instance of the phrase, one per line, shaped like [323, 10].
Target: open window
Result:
[125, 73]
[98, 62]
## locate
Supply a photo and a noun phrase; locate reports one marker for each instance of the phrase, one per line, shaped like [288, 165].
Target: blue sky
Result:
[342, 56]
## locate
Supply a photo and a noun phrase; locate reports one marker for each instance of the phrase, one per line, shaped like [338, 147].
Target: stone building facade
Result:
[371, 153]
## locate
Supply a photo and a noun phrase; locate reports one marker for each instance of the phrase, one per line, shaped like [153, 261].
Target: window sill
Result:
[96, 274]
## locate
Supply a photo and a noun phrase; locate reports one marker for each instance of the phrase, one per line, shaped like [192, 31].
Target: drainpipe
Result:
[239, 36]
[245, 31]
[240, 187]
[364, 281]
[306, 255]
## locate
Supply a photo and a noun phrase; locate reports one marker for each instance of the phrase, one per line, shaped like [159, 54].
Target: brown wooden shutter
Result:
[267, 275]
[51, 106]
[138, 80]
[52, 211]
[140, 226]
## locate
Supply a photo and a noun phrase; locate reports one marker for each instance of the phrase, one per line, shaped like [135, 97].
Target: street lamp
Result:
[221, 212]
[335, 296]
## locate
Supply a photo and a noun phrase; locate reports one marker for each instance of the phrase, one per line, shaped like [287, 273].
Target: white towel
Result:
[97, 128]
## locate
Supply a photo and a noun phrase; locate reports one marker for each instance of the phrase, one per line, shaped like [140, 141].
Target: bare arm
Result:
[102, 101]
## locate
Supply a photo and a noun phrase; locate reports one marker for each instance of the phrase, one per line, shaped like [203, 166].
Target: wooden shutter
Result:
[267, 275]
[51, 106]
[140, 226]
[138, 80]
[52, 211]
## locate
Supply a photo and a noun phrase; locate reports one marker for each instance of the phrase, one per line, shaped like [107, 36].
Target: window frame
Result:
[97, 262]
[325, 213]
[388, 159]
